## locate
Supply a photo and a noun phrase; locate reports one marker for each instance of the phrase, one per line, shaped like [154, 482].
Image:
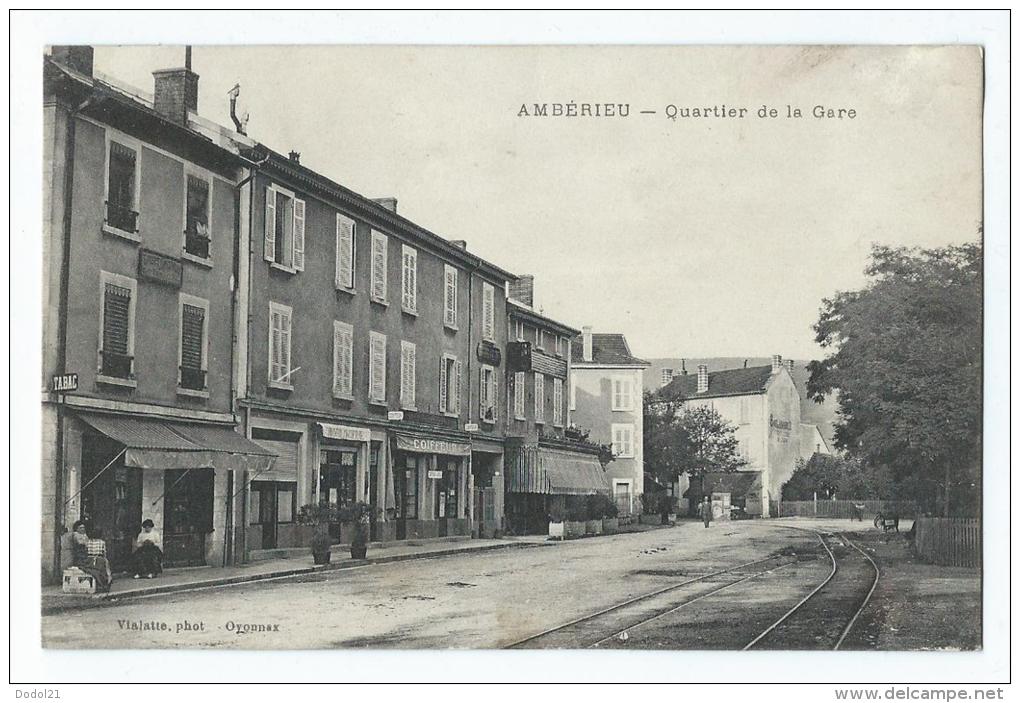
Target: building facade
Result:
[551, 466]
[606, 396]
[139, 239]
[372, 360]
[763, 404]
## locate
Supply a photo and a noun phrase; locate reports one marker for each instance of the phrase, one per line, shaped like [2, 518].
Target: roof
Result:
[751, 381]
[610, 349]
[519, 309]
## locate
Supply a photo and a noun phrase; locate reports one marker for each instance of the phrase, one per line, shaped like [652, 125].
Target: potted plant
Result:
[319, 516]
[575, 524]
[360, 517]
[605, 507]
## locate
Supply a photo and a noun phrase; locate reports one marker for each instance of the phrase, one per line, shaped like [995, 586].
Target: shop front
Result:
[487, 488]
[179, 475]
[431, 486]
[547, 482]
[348, 473]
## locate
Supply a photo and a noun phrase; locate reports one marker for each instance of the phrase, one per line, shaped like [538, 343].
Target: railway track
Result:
[822, 619]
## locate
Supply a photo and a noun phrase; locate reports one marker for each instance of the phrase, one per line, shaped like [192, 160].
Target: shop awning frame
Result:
[556, 472]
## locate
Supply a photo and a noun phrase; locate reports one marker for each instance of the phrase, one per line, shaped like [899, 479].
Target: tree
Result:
[833, 476]
[905, 361]
[692, 440]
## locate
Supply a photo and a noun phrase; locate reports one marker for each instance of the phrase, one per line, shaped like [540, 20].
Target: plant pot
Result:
[359, 552]
[556, 530]
[593, 527]
[321, 557]
[573, 530]
[610, 525]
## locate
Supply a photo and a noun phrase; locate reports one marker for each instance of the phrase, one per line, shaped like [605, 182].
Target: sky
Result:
[695, 236]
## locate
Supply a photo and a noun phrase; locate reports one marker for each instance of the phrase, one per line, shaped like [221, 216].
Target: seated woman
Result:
[89, 555]
[148, 554]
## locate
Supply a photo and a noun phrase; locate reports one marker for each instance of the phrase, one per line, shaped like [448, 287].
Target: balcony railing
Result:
[121, 217]
[193, 379]
[196, 244]
[116, 365]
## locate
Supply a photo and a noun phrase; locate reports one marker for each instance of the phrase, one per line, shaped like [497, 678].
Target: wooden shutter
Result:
[299, 234]
[488, 311]
[539, 397]
[269, 251]
[192, 328]
[344, 252]
[407, 375]
[343, 352]
[456, 387]
[519, 381]
[378, 266]
[557, 401]
[442, 384]
[409, 280]
[450, 297]
[116, 319]
[483, 392]
[494, 393]
[274, 344]
[377, 368]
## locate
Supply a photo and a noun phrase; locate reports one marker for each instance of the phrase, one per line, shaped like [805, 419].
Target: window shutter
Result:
[192, 324]
[409, 280]
[488, 311]
[450, 297]
[483, 391]
[557, 401]
[407, 373]
[269, 252]
[539, 397]
[493, 393]
[275, 341]
[456, 387]
[377, 363]
[378, 266]
[299, 234]
[519, 394]
[343, 348]
[285, 332]
[344, 252]
[116, 319]
[442, 384]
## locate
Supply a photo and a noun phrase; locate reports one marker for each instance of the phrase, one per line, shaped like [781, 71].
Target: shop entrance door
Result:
[111, 502]
[187, 505]
[406, 488]
[338, 482]
[446, 495]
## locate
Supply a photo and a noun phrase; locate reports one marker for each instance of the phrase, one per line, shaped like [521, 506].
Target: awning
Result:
[164, 444]
[556, 472]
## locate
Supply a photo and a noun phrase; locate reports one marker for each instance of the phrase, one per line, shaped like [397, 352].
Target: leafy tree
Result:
[690, 440]
[905, 360]
[834, 476]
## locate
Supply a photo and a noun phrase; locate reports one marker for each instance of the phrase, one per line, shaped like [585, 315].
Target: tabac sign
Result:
[424, 445]
[64, 382]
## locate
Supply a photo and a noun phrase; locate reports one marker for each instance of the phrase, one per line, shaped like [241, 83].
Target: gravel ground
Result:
[492, 599]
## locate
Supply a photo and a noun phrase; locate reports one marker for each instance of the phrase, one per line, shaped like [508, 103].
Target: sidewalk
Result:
[187, 579]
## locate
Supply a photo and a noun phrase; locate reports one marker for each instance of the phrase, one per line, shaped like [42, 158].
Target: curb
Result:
[110, 599]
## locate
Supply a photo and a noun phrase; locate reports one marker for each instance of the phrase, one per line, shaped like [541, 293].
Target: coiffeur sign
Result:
[424, 445]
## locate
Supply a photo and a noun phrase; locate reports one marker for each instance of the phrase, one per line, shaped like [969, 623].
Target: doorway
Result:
[272, 503]
[338, 476]
[187, 516]
[446, 495]
[406, 489]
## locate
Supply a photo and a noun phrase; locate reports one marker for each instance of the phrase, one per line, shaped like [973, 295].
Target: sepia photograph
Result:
[596, 346]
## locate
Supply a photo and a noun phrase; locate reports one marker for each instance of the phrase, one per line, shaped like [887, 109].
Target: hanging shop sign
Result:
[488, 353]
[518, 356]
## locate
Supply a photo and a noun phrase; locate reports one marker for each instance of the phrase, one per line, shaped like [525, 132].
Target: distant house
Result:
[764, 405]
[811, 441]
[606, 396]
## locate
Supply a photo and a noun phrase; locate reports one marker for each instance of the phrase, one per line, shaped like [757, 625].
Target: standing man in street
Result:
[706, 510]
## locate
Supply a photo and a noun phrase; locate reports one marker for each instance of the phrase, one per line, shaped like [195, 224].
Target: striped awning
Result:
[556, 472]
[165, 444]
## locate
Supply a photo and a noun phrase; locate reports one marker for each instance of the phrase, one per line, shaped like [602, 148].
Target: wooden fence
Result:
[845, 508]
[949, 541]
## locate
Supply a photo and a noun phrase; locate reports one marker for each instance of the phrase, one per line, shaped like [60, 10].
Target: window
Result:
[449, 385]
[409, 281]
[285, 229]
[122, 186]
[117, 325]
[196, 215]
[623, 394]
[345, 243]
[562, 348]
[285, 503]
[539, 398]
[450, 297]
[519, 328]
[377, 368]
[623, 440]
[487, 393]
[519, 396]
[558, 402]
[343, 360]
[539, 339]
[379, 259]
[488, 312]
[194, 333]
[279, 345]
[743, 411]
[408, 352]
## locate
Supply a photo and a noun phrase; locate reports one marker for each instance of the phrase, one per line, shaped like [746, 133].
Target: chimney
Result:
[702, 378]
[667, 377]
[460, 244]
[789, 366]
[176, 91]
[586, 344]
[388, 203]
[523, 289]
[683, 367]
[294, 156]
[777, 363]
[77, 58]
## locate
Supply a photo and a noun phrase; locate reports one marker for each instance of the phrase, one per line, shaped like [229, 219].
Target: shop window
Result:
[122, 187]
[409, 493]
[338, 477]
[447, 499]
[285, 229]
[196, 216]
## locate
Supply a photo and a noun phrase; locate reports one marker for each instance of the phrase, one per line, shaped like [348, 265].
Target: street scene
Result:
[613, 389]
